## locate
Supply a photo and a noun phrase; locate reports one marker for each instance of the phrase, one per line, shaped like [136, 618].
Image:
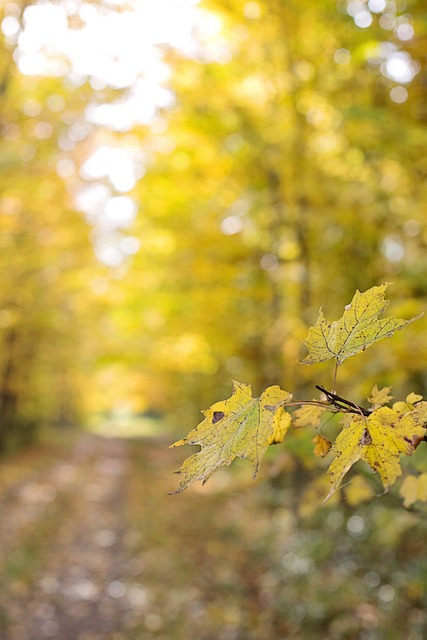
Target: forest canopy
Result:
[180, 195]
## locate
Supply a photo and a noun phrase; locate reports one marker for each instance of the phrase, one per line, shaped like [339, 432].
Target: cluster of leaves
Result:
[243, 426]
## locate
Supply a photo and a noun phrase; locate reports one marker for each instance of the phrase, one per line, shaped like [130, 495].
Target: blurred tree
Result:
[288, 172]
[280, 176]
[46, 258]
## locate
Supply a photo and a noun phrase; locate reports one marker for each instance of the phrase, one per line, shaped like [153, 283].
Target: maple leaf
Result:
[380, 396]
[357, 329]
[309, 414]
[241, 426]
[379, 439]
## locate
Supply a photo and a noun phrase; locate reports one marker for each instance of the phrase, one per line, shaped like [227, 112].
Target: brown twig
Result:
[342, 404]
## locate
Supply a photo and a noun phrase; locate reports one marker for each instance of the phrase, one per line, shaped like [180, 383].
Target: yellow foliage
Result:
[358, 328]
[414, 488]
[241, 426]
[379, 397]
[322, 446]
[309, 414]
[312, 495]
[281, 423]
[413, 398]
[379, 439]
[358, 490]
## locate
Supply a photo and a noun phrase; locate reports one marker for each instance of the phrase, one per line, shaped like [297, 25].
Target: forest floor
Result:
[93, 548]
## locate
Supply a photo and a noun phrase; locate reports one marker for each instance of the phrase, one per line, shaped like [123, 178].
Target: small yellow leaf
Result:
[413, 398]
[281, 423]
[357, 329]
[241, 426]
[402, 407]
[379, 439]
[414, 488]
[309, 414]
[380, 396]
[322, 446]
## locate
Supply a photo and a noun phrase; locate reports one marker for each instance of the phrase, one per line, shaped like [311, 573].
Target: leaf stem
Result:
[334, 383]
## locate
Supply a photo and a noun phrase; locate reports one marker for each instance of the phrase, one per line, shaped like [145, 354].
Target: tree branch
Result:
[342, 404]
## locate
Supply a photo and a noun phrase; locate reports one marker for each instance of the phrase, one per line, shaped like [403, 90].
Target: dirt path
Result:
[93, 548]
[61, 540]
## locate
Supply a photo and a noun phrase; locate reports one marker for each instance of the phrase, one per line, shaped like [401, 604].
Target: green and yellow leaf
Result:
[241, 426]
[414, 488]
[355, 331]
[379, 439]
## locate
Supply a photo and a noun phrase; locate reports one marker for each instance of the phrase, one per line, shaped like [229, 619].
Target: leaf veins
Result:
[379, 439]
[357, 329]
[241, 426]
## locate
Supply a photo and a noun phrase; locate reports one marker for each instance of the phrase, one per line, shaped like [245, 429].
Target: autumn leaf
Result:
[281, 423]
[403, 406]
[241, 426]
[379, 397]
[309, 414]
[321, 446]
[357, 329]
[414, 488]
[413, 398]
[379, 439]
[419, 413]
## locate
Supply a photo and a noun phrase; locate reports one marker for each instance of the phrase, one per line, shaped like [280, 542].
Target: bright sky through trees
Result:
[172, 169]
[117, 45]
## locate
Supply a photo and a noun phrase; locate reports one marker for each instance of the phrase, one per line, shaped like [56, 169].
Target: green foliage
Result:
[245, 426]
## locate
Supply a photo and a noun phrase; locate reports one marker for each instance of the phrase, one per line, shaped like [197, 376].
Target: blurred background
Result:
[183, 184]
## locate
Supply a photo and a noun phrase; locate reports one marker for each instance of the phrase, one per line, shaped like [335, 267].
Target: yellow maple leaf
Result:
[414, 488]
[241, 426]
[309, 414]
[379, 397]
[281, 423]
[379, 439]
[357, 329]
[321, 446]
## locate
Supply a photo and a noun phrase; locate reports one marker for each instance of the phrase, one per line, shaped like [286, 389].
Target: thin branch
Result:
[342, 404]
[324, 404]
